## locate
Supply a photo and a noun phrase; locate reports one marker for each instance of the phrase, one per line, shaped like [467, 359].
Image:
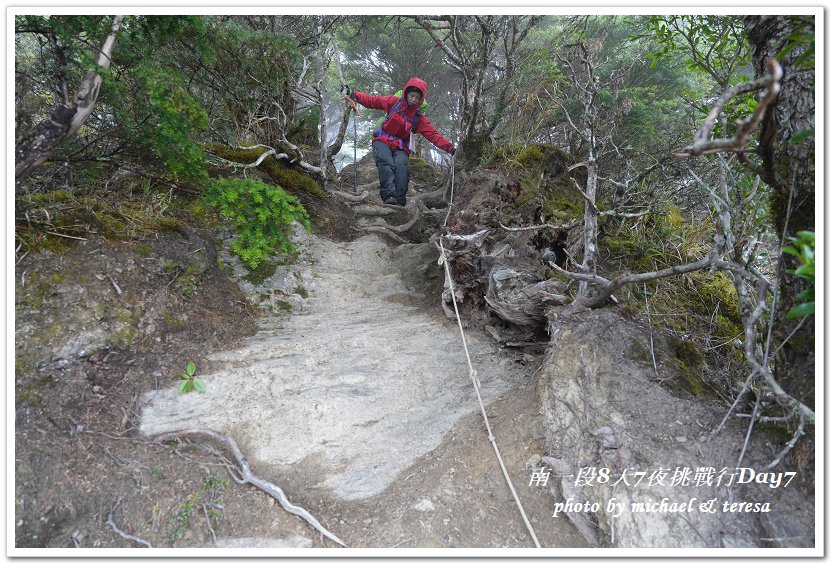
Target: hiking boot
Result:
[391, 201]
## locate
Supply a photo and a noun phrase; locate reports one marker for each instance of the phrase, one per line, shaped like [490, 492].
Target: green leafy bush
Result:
[804, 248]
[175, 117]
[263, 216]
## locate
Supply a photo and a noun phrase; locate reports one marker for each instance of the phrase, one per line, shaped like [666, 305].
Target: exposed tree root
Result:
[242, 473]
[123, 534]
[351, 197]
[374, 210]
[383, 231]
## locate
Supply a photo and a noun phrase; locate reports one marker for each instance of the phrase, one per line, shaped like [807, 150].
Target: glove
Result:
[345, 90]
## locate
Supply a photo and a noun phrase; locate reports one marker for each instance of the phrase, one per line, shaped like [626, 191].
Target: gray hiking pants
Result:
[392, 171]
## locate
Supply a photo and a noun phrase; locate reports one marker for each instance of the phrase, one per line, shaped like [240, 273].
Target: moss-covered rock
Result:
[262, 272]
[422, 171]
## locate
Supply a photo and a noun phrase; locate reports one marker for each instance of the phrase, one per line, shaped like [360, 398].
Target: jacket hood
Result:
[416, 82]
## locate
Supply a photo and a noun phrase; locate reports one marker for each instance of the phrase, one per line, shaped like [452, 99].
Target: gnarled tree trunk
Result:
[68, 117]
[789, 167]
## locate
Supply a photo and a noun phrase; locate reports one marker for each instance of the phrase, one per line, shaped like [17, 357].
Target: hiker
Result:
[390, 141]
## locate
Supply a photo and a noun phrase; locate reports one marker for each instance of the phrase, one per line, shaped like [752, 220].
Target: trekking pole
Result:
[349, 101]
[353, 105]
[354, 126]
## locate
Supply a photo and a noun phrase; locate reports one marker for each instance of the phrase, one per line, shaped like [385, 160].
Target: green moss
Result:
[172, 323]
[292, 179]
[421, 170]
[55, 196]
[126, 315]
[531, 157]
[262, 272]
[301, 291]
[143, 249]
[543, 157]
[632, 251]
[188, 281]
[475, 148]
[778, 435]
[202, 214]
[689, 360]
[285, 306]
[686, 351]
[163, 223]
[638, 353]
[529, 192]
[123, 338]
[693, 382]
[717, 293]
[620, 245]
[168, 265]
[802, 344]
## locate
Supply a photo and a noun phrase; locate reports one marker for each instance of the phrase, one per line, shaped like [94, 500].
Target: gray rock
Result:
[264, 543]
[425, 505]
[82, 345]
[603, 411]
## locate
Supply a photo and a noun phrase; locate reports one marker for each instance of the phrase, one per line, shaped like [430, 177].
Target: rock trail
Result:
[365, 379]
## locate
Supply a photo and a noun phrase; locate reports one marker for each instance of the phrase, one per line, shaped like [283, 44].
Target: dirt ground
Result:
[102, 322]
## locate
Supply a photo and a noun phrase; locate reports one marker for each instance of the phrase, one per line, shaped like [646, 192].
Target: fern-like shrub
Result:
[263, 215]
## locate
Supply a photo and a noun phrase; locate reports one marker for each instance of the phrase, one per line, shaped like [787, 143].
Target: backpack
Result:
[395, 120]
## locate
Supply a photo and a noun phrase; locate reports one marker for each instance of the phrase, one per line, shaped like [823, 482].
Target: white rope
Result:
[473, 373]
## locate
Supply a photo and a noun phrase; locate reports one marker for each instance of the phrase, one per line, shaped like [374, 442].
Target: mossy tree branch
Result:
[273, 163]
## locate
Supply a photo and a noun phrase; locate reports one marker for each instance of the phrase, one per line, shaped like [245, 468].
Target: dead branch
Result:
[624, 215]
[607, 288]
[789, 446]
[207, 521]
[549, 257]
[270, 152]
[245, 475]
[771, 83]
[563, 227]
[587, 199]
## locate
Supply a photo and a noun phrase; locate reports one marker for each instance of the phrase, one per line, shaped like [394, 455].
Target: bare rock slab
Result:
[359, 384]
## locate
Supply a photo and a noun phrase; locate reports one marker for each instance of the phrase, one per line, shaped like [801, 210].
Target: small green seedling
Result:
[191, 382]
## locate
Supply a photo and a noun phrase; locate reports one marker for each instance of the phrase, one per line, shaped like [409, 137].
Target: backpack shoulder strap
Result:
[395, 107]
[416, 119]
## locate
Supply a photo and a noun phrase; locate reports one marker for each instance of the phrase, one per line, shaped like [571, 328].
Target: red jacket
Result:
[425, 128]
